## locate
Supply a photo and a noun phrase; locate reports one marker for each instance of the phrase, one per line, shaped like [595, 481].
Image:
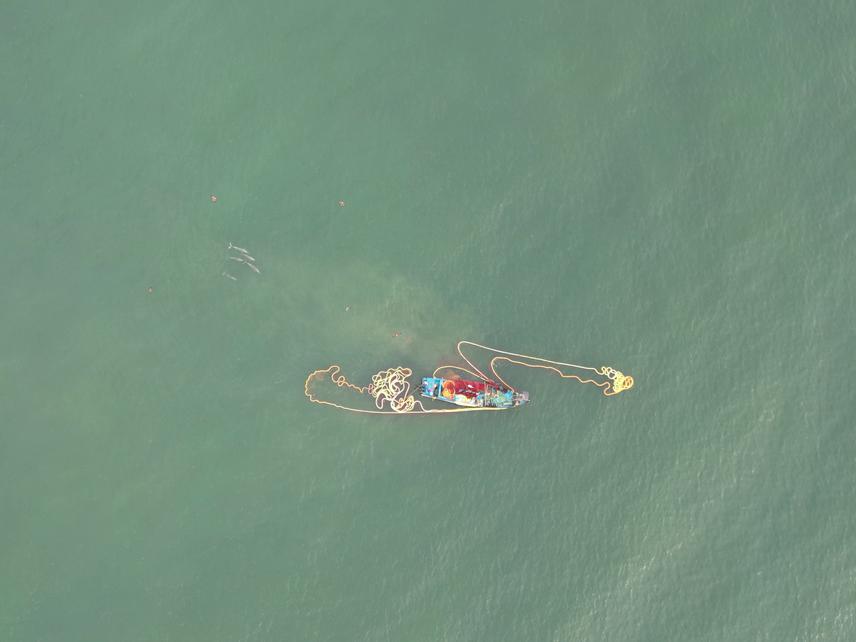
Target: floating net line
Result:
[390, 389]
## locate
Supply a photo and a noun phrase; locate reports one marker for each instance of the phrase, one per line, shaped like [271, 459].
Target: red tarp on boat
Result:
[468, 388]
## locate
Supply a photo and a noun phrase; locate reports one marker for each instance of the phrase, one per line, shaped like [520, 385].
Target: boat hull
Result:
[472, 394]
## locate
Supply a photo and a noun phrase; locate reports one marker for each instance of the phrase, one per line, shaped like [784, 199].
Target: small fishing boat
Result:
[472, 394]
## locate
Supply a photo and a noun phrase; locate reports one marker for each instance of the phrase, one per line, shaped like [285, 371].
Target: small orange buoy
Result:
[213, 198]
[341, 203]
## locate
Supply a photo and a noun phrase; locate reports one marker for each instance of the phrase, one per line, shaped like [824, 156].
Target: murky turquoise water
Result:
[667, 189]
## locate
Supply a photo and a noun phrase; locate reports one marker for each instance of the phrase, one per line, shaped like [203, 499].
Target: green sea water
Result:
[664, 187]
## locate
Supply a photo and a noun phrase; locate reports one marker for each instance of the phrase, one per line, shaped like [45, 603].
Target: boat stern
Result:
[520, 398]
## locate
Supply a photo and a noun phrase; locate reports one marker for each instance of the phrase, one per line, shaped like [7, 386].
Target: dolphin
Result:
[235, 247]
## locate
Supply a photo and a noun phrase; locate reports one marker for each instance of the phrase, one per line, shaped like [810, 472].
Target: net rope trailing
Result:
[390, 389]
